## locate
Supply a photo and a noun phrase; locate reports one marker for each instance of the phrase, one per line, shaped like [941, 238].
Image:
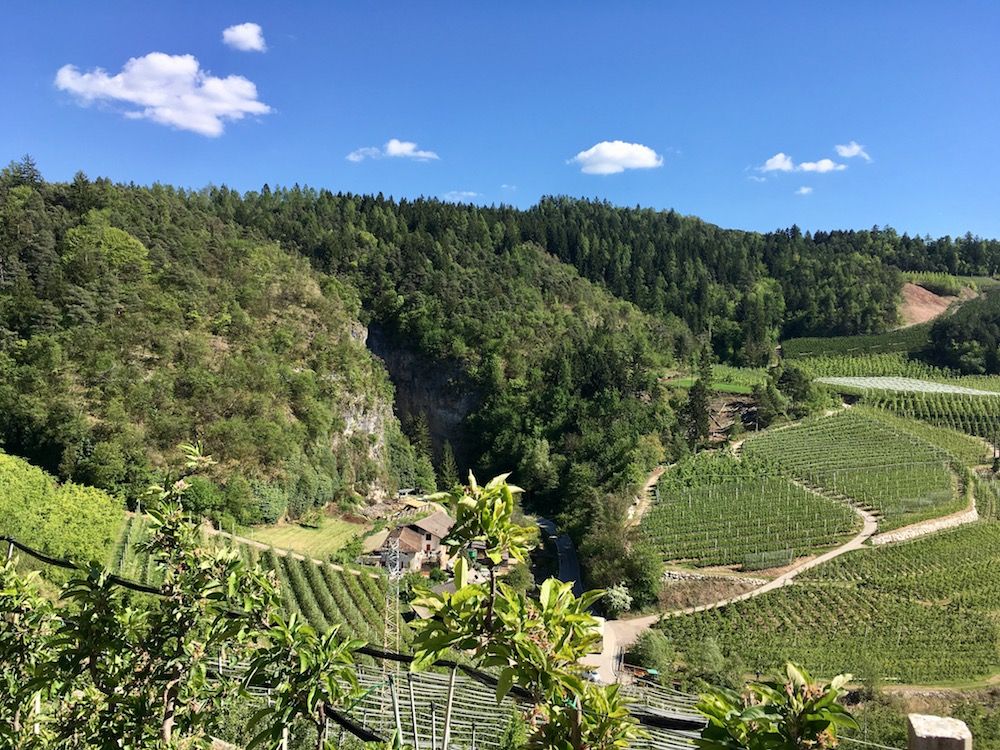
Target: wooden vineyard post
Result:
[473, 735]
[10, 551]
[413, 712]
[447, 710]
[577, 728]
[434, 726]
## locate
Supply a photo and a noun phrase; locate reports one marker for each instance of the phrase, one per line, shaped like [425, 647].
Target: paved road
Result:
[569, 563]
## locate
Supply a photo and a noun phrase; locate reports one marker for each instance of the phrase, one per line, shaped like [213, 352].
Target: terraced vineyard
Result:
[846, 628]
[923, 611]
[907, 339]
[974, 415]
[893, 472]
[965, 449]
[325, 595]
[885, 364]
[955, 568]
[752, 522]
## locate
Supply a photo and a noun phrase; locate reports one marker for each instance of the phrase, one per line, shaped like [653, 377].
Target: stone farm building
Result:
[420, 542]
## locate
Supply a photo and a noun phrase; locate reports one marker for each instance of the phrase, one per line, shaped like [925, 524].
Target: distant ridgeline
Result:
[133, 319]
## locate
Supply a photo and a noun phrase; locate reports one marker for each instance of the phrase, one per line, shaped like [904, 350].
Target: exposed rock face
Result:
[439, 390]
[367, 419]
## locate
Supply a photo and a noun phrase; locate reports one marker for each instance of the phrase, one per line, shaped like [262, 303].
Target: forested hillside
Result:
[133, 319]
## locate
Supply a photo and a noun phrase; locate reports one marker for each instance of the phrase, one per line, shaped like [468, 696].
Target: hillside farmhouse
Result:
[420, 542]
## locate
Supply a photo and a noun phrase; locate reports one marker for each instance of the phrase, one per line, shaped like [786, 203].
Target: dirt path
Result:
[638, 510]
[930, 526]
[619, 634]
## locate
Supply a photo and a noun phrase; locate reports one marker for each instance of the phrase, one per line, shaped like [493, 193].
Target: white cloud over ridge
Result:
[393, 149]
[612, 157]
[852, 149]
[246, 37]
[804, 190]
[168, 89]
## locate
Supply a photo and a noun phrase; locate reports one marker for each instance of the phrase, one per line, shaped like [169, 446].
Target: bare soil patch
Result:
[920, 305]
[694, 593]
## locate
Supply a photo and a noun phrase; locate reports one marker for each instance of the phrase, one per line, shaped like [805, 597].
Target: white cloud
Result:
[394, 148]
[246, 37]
[368, 152]
[780, 162]
[804, 190]
[822, 166]
[756, 178]
[852, 149]
[611, 157]
[407, 150]
[461, 196]
[168, 89]
[505, 186]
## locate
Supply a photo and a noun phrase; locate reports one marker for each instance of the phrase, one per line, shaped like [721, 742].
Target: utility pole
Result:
[390, 629]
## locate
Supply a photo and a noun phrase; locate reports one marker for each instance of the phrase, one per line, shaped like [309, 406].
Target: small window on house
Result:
[428, 537]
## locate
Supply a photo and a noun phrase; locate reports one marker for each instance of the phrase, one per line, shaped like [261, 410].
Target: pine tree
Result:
[419, 433]
[696, 411]
[448, 476]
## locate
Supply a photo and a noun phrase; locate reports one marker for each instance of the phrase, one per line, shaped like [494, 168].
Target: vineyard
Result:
[956, 568]
[477, 720]
[753, 522]
[326, 595]
[871, 366]
[938, 282]
[964, 449]
[908, 339]
[847, 628]
[921, 611]
[974, 415]
[893, 472]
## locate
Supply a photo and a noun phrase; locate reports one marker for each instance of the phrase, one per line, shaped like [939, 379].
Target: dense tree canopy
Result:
[969, 340]
[132, 320]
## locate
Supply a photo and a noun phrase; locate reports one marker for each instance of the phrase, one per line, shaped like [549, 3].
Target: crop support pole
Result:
[447, 710]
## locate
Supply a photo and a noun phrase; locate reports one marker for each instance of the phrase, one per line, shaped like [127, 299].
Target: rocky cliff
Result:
[441, 391]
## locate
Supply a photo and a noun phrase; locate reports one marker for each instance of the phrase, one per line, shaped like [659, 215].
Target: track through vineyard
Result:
[619, 634]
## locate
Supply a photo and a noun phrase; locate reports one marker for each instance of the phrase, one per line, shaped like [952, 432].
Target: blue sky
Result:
[702, 95]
